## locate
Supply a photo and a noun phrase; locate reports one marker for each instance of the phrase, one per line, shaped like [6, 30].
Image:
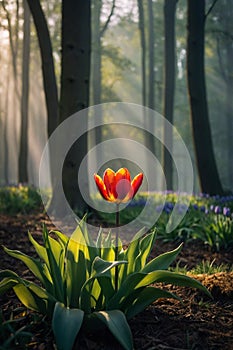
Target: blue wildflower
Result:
[202, 208]
[195, 206]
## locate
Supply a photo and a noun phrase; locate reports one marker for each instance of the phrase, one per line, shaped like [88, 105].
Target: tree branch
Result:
[210, 9]
[108, 19]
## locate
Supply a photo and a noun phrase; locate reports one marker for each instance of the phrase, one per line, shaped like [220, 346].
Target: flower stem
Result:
[116, 245]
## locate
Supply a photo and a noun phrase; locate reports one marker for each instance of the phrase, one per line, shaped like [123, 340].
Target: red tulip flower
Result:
[118, 187]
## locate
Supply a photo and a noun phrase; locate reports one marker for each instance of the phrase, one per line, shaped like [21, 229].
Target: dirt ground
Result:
[197, 323]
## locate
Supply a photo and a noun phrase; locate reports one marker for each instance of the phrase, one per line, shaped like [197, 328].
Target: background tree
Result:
[75, 75]
[207, 169]
[169, 86]
[146, 27]
[48, 70]
[224, 43]
[97, 34]
[23, 151]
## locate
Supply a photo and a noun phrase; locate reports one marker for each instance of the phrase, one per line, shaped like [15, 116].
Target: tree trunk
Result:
[229, 106]
[23, 152]
[206, 164]
[228, 45]
[49, 79]
[6, 127]
[76, 28]
[13, 41]
[96, 73]
[169, 90]
[150, 142]
[143, 49]
[151, 58]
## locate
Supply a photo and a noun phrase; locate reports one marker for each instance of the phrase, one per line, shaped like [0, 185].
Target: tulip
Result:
[118, 187]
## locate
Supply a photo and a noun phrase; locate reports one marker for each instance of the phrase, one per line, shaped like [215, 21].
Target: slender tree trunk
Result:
[49, 79]
[143, 49]
[150, 142]
[96, 73]
[169, 78]
[50, 87]
[146, 29]
[23, 153]
[13, 41]
[5, 132]
[76, 40]
[97, 34]
[206, 164]
[228, 44]
[151, 58]
[229, 106]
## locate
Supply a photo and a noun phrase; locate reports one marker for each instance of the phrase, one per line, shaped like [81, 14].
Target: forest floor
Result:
[197, 323]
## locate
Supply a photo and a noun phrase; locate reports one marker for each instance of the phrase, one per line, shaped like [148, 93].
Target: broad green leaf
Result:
[163, 261]
[8, 273]
[41, 251]
[6, 284]
[144, 298]
[76, 272]
[63, 239]
[145, 246]
[31, 295]
[56, 271]
[100, 268]
[127, 287]
[130, 255]
[34, 298]
[116, 322]
[76, 243]
[171, 278]
[141, 279]
[108, 253]
[83, 226]
[33, 264]
[66, 324]
[107, 288]
[58, 252]
[27, 299]
[81, 235]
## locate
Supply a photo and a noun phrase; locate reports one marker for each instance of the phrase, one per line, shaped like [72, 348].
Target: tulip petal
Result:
[110, 184]
[101, 186]
[123, 185]
[136, 183]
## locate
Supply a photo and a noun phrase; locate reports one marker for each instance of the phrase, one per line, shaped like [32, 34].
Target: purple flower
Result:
[217, 209]
[226, 211]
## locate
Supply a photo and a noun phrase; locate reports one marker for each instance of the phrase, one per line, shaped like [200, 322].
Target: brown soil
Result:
[197, 323]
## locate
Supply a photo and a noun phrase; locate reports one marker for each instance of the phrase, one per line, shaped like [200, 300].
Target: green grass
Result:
[19, 199]
[204, 267]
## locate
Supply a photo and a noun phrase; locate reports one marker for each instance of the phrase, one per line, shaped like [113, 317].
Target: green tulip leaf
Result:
[116, 322]
[66, 324]
[163, 261]
[143, 299]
